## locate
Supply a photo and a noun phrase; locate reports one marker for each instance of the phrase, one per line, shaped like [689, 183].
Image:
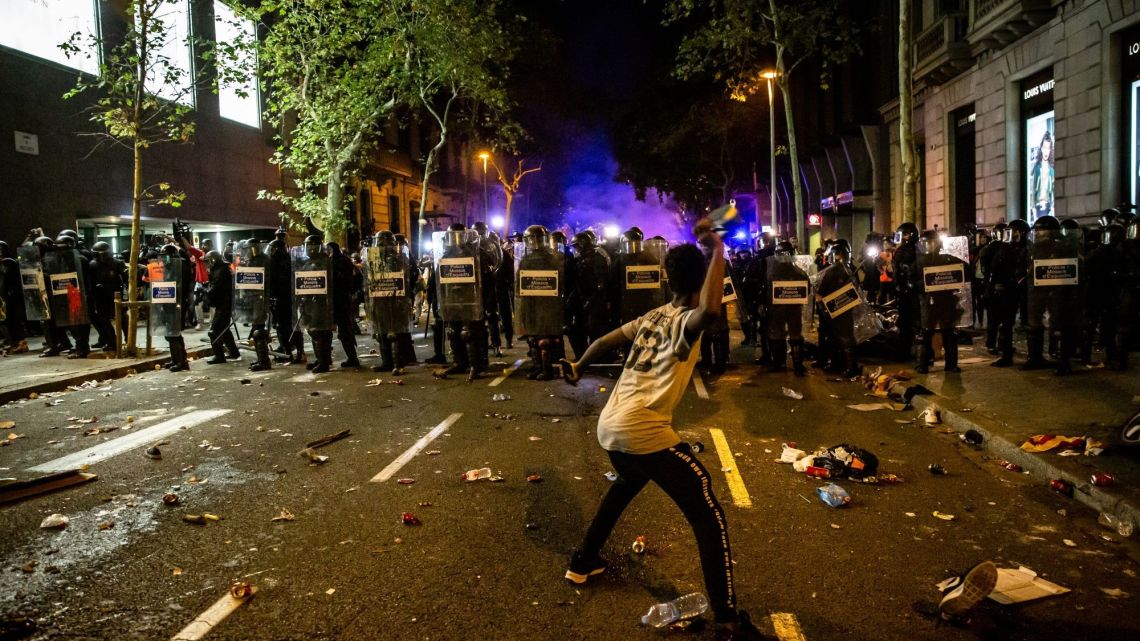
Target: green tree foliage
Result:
[142, 97]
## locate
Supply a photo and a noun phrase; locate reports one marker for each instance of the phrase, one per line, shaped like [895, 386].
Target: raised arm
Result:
[708, 310]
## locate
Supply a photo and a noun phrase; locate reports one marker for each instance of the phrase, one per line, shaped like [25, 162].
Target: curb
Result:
[119, 369]
[1038, 466]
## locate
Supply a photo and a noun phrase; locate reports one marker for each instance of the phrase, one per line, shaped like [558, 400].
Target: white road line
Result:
[699, 384]
[129, 442]
[786, 626]
[736, 487]
[506, 373]
[213, 615]
[403, 459]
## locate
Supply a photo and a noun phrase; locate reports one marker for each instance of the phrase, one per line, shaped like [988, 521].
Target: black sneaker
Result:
[962, 593]
[582, 569]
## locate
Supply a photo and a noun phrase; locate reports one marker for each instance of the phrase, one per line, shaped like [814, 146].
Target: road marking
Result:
[786, 626]
[506, 373]
[699, 384]
[307, 377]
[129, 442]
[213, 615]
[403, 459]
[740, 496]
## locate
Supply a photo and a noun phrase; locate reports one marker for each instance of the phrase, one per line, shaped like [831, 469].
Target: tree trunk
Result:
[429, 169]
[794, 159]
[510, 197]
[133, 263]
[334, 199]
[906, 137]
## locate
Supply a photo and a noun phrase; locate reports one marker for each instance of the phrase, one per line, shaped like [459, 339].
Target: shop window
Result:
[37, 28]
[1039, 144]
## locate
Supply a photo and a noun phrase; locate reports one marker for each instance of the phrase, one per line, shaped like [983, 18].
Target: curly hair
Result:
[685, 267]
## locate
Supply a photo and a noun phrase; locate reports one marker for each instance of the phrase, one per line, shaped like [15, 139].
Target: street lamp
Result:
[484, 156]
[769, 75]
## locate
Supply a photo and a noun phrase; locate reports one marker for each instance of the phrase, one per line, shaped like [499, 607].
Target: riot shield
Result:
[789, 289]
[165, 316]
[36, 301]
[959, 247]
[539, 285]
[1055, 275]
[942, 278]
[251, 278]
[806, 264]
[312, 289]
[642, 288]
[63, 271]
[841, 297]
[458, 275]
[385, 279]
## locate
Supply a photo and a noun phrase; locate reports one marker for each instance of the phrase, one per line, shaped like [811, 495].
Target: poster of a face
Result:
[1039, 148]
[1135, 140]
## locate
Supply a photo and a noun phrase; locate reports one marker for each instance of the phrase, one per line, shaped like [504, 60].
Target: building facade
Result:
[53, 176]
[1023, 108]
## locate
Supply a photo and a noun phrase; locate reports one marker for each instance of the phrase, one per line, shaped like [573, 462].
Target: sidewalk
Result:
[1009, 405]
[27, 373]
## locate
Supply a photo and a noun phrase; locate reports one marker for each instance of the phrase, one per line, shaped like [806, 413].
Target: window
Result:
[38, 28]
[173, 59]
[238, 101]
[1039, 143]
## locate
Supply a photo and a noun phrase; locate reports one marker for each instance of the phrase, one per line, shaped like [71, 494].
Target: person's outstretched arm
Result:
[572, 370]
[708, 311]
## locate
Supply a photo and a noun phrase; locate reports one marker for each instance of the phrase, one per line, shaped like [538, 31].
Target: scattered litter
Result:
[153, 452]
[936, 469]
[331, 438]
[840, 461]
[972, 437]
[4, 425]
[833, 495]
[99, 430]
[170, 499]
[943, 516]
[1102, 479]
[433, 452]
[910, 514]
[931, 415]
[601, 390]
[534, 438]
[312, 457]
[835, 526]
[29, 567]
[11, 437]
[1069, 543]
[1062, 487]
[374, 383]
[871, 407]
[791, 393]
[531, 526]
[639, 545]
[1022, 584]
[211, 517]
[1123, 527]
[791, 454]
[1047, 442]
[245, 381]
[177, 571]
[611, 476]
[476, 475]
[534, 478]
[1012, 467]
[284, 515]
[410, 519]
[405, 481]
[1114, 593]
[196, 519]
[500, 397]
[106, 525]
[555, 420]
[55, 521]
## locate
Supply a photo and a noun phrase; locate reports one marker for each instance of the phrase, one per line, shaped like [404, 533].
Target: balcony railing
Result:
[995, 24]
[941, 52]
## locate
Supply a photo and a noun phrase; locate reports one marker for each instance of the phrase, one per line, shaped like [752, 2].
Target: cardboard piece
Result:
[1022, 584]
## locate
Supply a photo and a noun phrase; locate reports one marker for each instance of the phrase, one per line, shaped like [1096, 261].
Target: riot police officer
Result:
[837, 295]
[68, 276]
[290, 342]
[12, 295]
[905, 257]
[505, 292]
[637, 279]
[588, 305]
[251, 300]
[1126, 269]
[491, 258]
[985, 259]
[387, 304]
[787, 291]
[343, 273]
[107, 279]
[165, 294]
[1006, 271]
[221, 297]
[313, 291]
[539, 292]
[1054, 289]
[458, 276]
[765, 249]
[940, 282]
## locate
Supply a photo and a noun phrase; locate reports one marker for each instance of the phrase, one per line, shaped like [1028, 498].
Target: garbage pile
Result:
[838, 462]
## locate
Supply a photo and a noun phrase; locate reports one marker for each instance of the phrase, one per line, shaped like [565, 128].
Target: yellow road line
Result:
[506, 373]
[740, 496]
[786, 626]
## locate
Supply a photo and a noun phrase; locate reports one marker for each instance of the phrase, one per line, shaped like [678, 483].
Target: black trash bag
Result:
[857, 463]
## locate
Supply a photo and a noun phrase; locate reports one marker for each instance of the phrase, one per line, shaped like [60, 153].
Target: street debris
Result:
[312, 457]
[500, 397]
[433, 452]
[153, 452]
[405, 481]
[55, 521]
[534, 438]
[171, 499]
[534, 478]
[15, 490]
[476, 475]
[936, 469]
[6, 425]
[1069, 543]
[1115, 593]
[284, 515]
[196, 519]
[639, 545]
[840, 461]
[833, 495]
[1076, 444]
[611, 476]
[943, 516]
[1012, 467]
[1062, 487]
[99, 430]
[1018, 585]
[1123, 527]
[932, 415]
[331, 438]
[872, 407]
[410, 519]
[791, 454]
[1102, 479]
[791, 393]
[972, 437]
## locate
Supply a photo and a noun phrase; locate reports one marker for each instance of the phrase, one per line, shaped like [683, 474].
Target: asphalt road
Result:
[488, 559]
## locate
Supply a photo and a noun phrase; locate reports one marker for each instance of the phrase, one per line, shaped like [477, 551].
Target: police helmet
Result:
[214, 259]
[583, 240]
[840, 251]
[632, 241]
[480, 228]
[906, 232]
[785, 248]
[65, 241]
[101, 248]
[385, 238]
[313, 245]
[1047, 223]
[536, 237]
[170, 249]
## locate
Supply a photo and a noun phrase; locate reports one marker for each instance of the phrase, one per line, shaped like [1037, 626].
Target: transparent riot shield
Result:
[844, 297]
[386, 281]
[1055, 276]
[36, 304]
[458, 276]
[63, 271]
[789, 291]
[806, 264]
[642, 281]
[539, 288]
[959, 247]
[165, 316]
[312, 289]
[251, 279]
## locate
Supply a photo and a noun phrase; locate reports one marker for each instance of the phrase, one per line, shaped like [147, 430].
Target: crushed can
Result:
[1062, 487]
[1103, 479]
[1012, 467]
[818, 472]
[639, 545]
[936, 469]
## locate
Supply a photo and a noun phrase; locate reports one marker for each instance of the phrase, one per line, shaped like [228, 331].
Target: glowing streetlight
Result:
[769, 75]
[484, 156]
[611, 231]
[497, 222]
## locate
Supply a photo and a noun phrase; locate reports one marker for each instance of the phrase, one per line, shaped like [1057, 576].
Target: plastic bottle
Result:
[477, 475]
[834, 495]
[686, 607]
[1123, 527]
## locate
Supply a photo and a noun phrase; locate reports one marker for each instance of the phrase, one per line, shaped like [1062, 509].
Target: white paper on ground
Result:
[1021, 585]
